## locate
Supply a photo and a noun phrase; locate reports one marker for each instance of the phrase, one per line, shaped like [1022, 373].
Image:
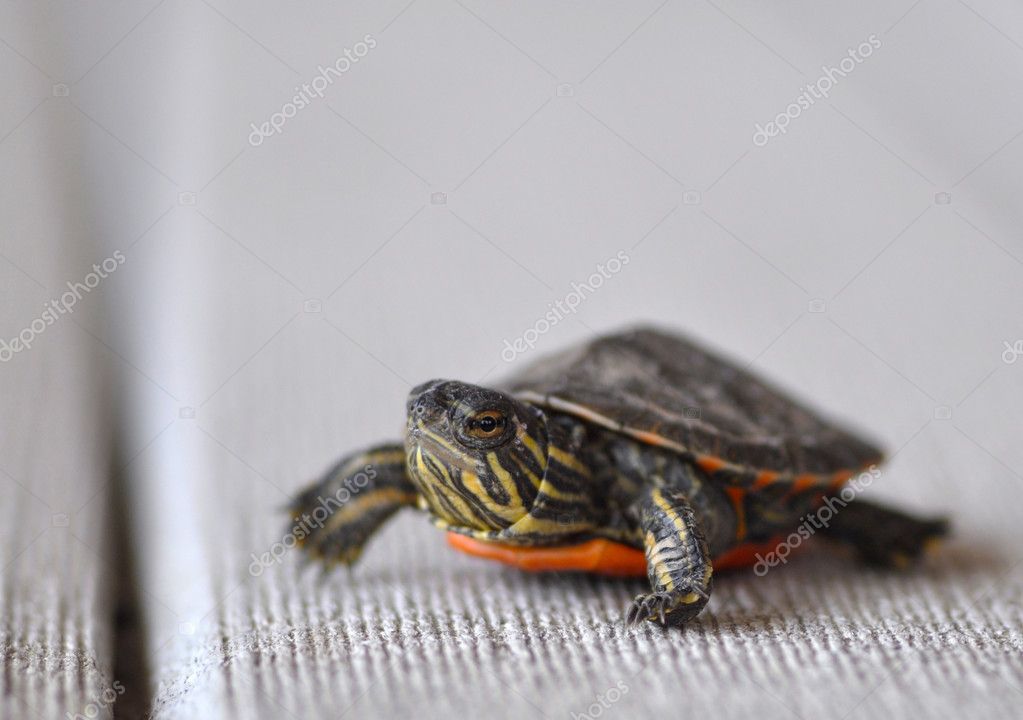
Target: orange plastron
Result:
[599, 556]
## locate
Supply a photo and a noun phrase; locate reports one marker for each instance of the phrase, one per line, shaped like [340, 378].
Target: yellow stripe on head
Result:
[531, 445]
[569, 461]
[505, 478]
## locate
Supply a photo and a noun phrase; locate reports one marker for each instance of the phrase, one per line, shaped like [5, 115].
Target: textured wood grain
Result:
[57, 567]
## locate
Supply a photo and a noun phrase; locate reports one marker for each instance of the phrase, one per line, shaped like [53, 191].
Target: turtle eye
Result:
[486, 425]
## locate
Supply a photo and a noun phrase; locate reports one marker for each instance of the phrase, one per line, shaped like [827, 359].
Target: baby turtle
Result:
[638, 451]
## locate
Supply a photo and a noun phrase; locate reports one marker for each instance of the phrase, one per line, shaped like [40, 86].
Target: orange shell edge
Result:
[598, 556]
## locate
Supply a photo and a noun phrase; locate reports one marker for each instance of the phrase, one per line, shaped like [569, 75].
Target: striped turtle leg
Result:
[678, 562]
[334, 517]
[882, 536]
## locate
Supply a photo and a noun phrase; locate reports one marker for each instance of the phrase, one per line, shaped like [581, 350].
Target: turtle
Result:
[639, 452]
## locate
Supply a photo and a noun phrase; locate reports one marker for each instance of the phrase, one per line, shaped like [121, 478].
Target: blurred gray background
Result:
[280, 291]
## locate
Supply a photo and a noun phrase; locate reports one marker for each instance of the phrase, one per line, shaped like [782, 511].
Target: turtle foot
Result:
[667, 608]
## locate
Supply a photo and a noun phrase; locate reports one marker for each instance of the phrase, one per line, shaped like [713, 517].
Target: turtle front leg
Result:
[678, 562]
[333, 518]
[883, 536]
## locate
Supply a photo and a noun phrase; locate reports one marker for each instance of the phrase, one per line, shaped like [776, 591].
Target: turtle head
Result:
[476, 455]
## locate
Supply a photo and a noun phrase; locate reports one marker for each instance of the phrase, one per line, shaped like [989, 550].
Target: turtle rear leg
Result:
[334, 517]
[678, 562]
[884, 536]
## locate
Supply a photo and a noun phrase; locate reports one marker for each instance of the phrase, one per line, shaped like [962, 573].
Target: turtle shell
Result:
[665, 390]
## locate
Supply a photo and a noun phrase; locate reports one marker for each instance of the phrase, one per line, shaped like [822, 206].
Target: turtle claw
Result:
[648, 607]
[667, 608]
